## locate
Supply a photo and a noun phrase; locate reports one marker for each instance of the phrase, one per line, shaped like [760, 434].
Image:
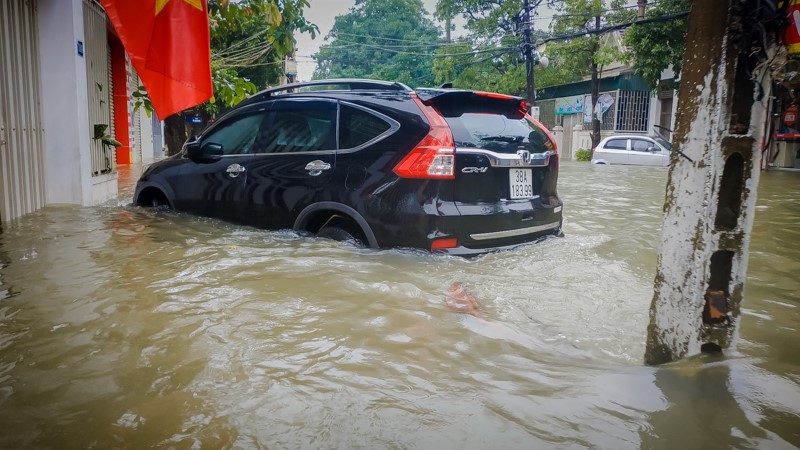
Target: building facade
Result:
[65, 82]
[626, 104]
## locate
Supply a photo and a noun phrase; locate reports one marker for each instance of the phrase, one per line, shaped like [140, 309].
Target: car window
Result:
[617, 144]
[498, 133]
[357, 127]
[641, 145]
[297, 130]
[236, 136]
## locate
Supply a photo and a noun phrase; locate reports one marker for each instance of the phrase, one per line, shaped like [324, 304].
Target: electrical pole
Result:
[595, 85]
[528, 53]
[711, 194]
[642, 4]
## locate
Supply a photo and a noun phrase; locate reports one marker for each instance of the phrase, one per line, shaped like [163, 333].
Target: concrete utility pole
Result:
[710, 201]
[642, 4]
[528, 52]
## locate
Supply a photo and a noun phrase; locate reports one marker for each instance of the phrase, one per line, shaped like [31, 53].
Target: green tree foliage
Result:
[491, 56]
[490, 22]
[580, 24]
[249, 40]
[655, 46]
[579, 19]
[486, 68]
[381, 39]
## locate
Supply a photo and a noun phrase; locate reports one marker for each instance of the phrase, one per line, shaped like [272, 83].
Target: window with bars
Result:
[633, 108]
[607, 124]
[607, 121]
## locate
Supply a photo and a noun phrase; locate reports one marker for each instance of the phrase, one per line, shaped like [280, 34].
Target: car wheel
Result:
[159, 203]
[339, 234]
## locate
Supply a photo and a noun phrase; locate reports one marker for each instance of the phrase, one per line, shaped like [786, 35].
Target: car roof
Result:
[627, 136]
[339, 84]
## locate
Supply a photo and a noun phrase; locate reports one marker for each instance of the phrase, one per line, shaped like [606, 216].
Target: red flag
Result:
[168, 43]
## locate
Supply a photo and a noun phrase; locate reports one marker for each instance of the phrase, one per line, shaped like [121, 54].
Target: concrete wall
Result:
[65, 100]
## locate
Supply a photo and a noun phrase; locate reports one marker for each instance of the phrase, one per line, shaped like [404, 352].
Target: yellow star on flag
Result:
[160, 4]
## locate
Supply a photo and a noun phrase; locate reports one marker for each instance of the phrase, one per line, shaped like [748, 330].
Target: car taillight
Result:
[434, 155]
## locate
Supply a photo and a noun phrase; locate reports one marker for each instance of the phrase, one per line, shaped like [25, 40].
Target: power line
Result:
[598, 11]
[388, 38]
[413, 53]
[497, 51]
[661, 18]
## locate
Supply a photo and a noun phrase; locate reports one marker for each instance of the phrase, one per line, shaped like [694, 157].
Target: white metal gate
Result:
[99, 84]
[568, 122]
[22, 183]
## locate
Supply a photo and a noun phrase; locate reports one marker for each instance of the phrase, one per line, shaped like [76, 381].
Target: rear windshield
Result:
[498, 133]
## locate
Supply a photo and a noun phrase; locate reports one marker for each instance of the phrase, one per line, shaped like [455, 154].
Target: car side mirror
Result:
[652, 149]
[212, 149]
[205, 153]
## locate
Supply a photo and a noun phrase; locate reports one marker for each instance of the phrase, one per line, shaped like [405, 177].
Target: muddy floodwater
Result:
[122, 327]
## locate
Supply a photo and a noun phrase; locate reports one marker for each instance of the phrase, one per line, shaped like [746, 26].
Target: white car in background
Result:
[633, 149]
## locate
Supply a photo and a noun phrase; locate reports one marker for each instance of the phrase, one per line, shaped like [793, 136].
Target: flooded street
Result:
[122, 327]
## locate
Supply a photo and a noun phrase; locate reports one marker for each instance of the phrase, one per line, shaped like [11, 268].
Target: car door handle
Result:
[316, 167]
[234, 170]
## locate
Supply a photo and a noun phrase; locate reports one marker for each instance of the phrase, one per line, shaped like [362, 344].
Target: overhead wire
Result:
[416, 53]
[496, 51]
[594, 13]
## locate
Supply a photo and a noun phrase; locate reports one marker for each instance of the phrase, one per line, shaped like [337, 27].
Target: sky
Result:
[321, 13]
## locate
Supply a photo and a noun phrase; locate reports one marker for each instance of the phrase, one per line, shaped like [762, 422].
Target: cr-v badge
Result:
[474, 169]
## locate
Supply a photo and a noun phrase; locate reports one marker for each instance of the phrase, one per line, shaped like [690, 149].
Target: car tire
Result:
[339, 234]
[159, 203]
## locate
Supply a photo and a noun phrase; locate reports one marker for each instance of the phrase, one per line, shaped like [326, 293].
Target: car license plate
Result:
[521, 183]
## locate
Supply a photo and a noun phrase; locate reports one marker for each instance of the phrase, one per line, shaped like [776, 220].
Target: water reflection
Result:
[122, 327]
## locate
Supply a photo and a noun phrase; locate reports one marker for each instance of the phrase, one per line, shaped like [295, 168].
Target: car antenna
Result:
[674, 147]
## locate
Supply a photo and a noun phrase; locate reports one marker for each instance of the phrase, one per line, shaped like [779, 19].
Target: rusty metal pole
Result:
[710, 200]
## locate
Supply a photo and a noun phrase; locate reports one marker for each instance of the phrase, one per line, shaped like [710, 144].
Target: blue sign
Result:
[194, 119]
[80, 48]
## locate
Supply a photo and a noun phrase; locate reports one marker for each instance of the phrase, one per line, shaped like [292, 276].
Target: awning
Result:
[624, 82]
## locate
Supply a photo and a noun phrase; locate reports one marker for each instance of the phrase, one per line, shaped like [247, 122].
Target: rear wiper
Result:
[514, 139]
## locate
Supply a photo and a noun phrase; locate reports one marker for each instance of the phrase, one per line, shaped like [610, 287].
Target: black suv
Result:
[447, 170]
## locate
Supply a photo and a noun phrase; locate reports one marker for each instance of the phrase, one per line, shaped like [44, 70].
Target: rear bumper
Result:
[477, 229]
[468, 252]
[422, 219]
[515, 233]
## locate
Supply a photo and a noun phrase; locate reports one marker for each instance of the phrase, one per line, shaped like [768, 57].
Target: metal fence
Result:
[629, 112]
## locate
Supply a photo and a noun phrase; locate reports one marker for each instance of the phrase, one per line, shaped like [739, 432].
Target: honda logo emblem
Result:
[525, 155]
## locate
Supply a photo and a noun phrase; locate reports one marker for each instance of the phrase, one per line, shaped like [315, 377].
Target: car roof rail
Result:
[336, 84]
